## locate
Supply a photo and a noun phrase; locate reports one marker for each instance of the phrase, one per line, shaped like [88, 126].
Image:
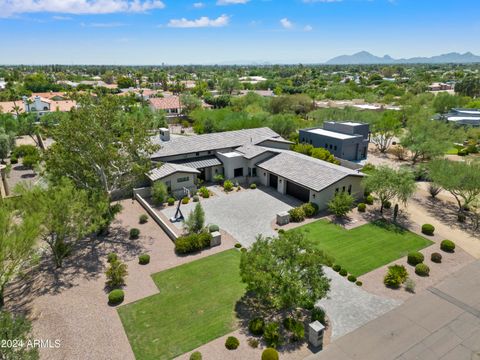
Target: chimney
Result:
[164, 134]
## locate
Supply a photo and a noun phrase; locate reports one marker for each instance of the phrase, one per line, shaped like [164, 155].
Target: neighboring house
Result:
[249, 156]
[252, 79]
[37, 104]
[470, 117]
[440, 87]
[170, 104]
[263, 93]
[347, 140]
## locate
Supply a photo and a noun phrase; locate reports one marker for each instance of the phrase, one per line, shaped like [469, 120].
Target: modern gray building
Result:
[346, 140]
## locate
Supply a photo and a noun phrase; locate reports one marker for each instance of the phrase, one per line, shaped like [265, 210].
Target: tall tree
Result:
[100, 147]
[285, 272]
[384, 129]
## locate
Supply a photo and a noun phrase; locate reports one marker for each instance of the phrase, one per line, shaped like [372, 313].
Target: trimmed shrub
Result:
[387, 205]
[134, 233]
[253, 343]
[428, 229]
[352, 278]
[359, 283]
[422, 270]
[195, 198]
[369, 200]
[271, 334]
[270, 354]
[197, 355]
[116, 273]
[318, 314]
[243, 249]
[185, 200]
[336, 267]
[213, 228]
[238, 245]
[159, 192]
[115, 297]
[410, 285]
[461, 217]
[343, 272]
[227, 185]
[297, 214]
[415, 258]
[170, 201]
[253, 186]
[144, 259]
[436, 257]
[232, 343]
[112, 257]
[203, 191]
[256, 326]
[447, 246]
[218, 178]
[13, 160]
[396, 275]
[298, 331]
[192, 243]
[143, 219]
[361, 207]
[310, 209]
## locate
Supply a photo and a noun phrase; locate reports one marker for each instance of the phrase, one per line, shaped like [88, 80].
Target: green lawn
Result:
[195, 305]
[364, 248]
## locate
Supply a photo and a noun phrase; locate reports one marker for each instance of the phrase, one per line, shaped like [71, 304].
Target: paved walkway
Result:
[243, 214]
[348, 306]
[442, 323]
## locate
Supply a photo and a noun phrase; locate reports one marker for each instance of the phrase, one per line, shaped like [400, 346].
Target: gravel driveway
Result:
[348, 306]
[243, 214]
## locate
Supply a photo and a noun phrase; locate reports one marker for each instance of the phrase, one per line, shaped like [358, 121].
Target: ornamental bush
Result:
[387, 205]
[232, 343]
[112, 257]
[203, 191]
[359, 283]
[116, 273]
[170, 201]
[318, 314]
[410, 285]
[428, 229]
[436, 257]
[271, 334]
[144, 259]
[256, 326]
[238, 245]
[447, 246]
[422, 270]
[192, 243]
[336, 267]
[253, 186]
[396, 275]
[270, 354]
[352, 278]
[143, 219]
[213, 228]
[415, 258]
[343, 272]
[197, 355]
[218, 178]
[310, 209]
[369, 200]
[361, 207]
[195, 198]
[134, 233]
[159, 192]
[185, 200]
[227, 185]
[297, 214]
[115, 297]
[298, 331]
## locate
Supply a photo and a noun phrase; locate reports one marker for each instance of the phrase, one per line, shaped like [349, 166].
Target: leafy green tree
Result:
[67, 215]
[159, 192]
[189, 103]
[444, 102]
[100, 148]
[468, 86]
[124, 82]
[195, 221]
[285, 272]
[341, 204]
[17, 238]
[230, 85]
[384, 130]
[16, 328]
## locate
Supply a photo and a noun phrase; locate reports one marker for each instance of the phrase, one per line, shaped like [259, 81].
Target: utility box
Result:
[315, 334]
[164, 134]
[283, 218]
[216, 238]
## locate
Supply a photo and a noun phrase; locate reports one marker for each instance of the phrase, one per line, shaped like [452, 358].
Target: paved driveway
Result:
[243, 214]
[349, 307]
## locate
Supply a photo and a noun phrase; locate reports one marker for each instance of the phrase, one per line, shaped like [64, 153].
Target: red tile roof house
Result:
[170, 104]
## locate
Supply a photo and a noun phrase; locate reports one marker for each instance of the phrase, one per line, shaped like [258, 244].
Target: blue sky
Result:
[229, 31]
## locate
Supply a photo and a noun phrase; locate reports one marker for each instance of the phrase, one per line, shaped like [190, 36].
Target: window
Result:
[249, 172]
[350, 189]
[343, 189]
[330, 146]
[196, 154]
[254, 172]
[326, 146]
[183, 179]
[238, 172]
[336, 191]
[209, 152]
[335, 148]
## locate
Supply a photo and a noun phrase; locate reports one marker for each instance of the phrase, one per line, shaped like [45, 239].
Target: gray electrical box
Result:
[315, 333]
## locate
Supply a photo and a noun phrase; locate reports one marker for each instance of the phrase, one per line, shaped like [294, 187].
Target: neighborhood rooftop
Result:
[215, 141]
[169, 169]
[332, 134]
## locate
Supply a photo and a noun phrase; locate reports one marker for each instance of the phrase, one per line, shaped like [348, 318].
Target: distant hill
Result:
[365, 57]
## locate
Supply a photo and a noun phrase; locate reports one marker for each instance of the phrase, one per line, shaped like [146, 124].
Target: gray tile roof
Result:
[215, 141]
[250, 151]
[169, 169]
[200, 162]
[304, 170]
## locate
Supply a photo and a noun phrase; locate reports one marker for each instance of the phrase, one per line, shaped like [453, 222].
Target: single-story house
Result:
[38, 105]
[170, 104]
[249, 156]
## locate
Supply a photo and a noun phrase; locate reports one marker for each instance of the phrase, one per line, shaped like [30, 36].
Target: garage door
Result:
[298, 192]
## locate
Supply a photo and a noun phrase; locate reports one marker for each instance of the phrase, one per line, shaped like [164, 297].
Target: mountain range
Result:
[364, 57]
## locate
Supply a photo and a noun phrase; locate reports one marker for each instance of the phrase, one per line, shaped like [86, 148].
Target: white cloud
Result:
[307, 28]
[204, 21]
[231, 2]
[198, 5]
[14, 7]
[287, 24]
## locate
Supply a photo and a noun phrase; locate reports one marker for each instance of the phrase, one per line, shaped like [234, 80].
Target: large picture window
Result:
[238, 172]
[183, 179]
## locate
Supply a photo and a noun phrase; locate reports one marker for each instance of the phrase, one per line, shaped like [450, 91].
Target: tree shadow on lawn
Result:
[87, 261]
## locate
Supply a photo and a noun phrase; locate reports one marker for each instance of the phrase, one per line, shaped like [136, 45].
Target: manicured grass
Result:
[195, 305]
[366, 247]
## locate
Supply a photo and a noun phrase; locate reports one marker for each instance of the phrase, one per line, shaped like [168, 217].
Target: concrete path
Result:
[349, 306]
[442, 323]
[243, 214]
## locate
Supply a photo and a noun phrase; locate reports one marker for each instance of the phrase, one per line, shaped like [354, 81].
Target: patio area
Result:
[243, 214]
